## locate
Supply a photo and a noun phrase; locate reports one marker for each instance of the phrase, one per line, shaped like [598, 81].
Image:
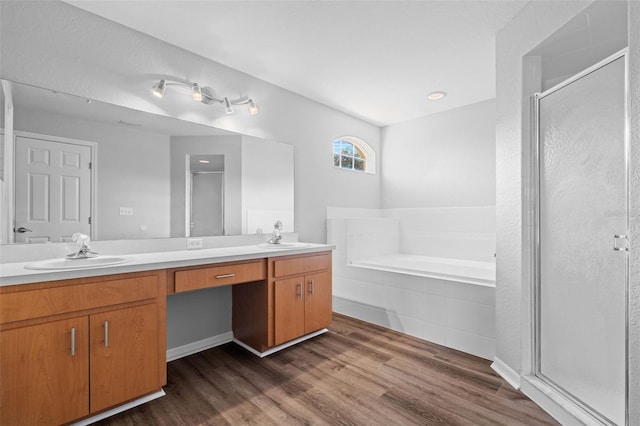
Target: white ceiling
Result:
[376, 60]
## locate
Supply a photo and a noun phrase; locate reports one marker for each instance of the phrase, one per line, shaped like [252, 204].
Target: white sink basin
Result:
[284, 246]
[92, 262]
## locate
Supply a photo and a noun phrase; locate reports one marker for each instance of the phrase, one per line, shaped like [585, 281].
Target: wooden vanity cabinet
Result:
[73, 348]
[41, 382]
[302, 305]
[293, 301]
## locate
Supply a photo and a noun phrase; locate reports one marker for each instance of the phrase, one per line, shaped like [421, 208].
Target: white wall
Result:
[516, 80]
[57, 46]
[441, 160]
[139, 180]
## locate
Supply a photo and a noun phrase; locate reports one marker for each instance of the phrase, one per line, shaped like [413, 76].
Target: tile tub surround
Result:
[451, 313]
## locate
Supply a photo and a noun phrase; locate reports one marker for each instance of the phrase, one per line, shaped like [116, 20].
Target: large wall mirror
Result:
[118, 173]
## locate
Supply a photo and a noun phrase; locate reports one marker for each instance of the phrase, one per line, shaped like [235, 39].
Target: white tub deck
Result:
[460, 270]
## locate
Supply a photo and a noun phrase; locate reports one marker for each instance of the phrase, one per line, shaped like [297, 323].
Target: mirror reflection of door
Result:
[52, 190]
[207, 195]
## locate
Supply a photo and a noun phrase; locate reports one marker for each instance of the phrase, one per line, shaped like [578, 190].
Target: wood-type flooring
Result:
[355, 374]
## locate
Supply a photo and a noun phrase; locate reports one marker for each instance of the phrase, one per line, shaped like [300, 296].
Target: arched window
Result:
[351, 153]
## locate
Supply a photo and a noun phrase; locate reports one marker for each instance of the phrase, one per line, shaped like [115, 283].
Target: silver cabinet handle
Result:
[219, 277]
[615, 242]
[73, 341]
[299, 294]
[106, 334]
[311, 287]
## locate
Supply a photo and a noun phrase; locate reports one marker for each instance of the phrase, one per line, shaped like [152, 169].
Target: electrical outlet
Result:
[126, 211]
[194, 243]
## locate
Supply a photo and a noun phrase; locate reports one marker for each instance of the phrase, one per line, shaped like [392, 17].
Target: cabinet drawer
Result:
[301, 265]
[39, 303]
[232, 273]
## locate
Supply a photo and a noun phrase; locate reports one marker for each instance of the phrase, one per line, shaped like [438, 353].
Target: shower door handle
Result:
[616, 238]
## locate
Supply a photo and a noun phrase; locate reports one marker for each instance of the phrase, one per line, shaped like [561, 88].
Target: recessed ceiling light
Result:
[436, 96]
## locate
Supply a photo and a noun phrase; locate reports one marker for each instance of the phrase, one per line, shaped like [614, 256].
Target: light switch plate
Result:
[194, 243]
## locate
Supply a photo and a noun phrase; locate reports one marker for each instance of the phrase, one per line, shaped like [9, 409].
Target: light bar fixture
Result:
[159, 88]
[253, 108]
[227, 106]
[206, 96]
[196, 93]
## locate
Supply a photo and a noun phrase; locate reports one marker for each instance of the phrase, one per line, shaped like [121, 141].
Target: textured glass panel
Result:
[582, 206]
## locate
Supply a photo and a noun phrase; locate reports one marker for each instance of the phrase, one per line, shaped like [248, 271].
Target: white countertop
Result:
[15, 273]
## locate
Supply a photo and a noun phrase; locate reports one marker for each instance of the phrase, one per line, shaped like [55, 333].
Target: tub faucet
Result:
[275, 236]
[84, 250]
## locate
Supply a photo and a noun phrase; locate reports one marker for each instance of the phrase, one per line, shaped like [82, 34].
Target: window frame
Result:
[368, 154]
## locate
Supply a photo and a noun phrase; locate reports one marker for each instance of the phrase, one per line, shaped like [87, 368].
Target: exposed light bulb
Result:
[253, 108]
[196, 92]
[159, 88]
[227, 106]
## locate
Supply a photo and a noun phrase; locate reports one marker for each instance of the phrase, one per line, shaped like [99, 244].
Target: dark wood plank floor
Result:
[356, 374]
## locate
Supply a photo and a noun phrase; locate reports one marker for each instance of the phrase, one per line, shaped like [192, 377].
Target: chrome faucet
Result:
[84, 250]
[275, 236]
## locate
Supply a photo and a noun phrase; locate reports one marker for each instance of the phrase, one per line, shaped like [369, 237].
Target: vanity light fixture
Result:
[206, 95]
[227, 106]
[253, 108]
[436, 96]
[159, 88]
[196, 93]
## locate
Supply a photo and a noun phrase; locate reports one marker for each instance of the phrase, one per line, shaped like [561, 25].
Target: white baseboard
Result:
[509, 374]
[281, 347]
[200, 345]
[120, 408]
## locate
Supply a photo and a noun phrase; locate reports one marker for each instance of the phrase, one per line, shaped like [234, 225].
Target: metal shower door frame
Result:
[536, 299]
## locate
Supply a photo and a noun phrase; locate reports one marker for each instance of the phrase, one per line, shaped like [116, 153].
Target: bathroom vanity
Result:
[74, 343]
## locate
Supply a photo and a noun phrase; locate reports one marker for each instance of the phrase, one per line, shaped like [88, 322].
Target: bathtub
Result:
[428, 273]
[460, 270]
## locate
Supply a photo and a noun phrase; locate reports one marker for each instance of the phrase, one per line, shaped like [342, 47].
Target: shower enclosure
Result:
[582, 223]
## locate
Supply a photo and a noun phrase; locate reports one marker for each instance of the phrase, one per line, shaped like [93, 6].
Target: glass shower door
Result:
[582, 228]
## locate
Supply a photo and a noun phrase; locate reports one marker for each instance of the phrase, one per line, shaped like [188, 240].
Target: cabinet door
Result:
[317, 301]
[124, 355]
[45, 373]
[289, 309]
